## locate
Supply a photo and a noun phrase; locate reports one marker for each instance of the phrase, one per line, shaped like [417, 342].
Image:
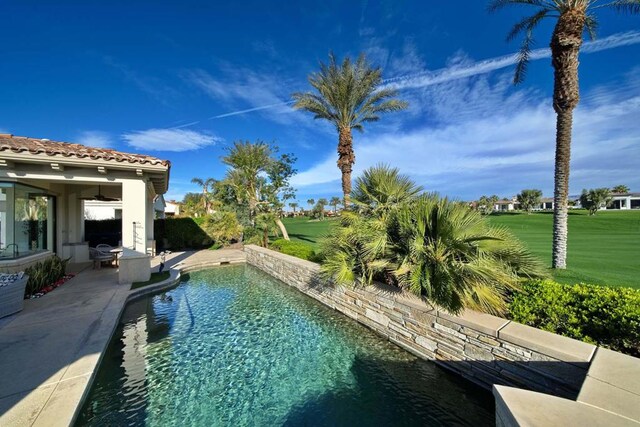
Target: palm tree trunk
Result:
[565, 47]
[346, 159]
[282, 228]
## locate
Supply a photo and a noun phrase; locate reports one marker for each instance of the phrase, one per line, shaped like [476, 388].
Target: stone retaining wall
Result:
[486, 349]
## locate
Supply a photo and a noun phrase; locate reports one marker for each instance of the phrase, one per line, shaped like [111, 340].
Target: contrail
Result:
[443, 75]
[429, 78]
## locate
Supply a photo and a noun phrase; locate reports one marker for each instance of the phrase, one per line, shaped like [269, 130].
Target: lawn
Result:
[603, 249]
[303, 229]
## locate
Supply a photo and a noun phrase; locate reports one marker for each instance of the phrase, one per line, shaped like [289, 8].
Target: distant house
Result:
[625, 201]
[546, 203]
[172, 208]
[506, 205]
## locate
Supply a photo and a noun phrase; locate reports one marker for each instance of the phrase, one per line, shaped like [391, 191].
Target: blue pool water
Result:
[232, 346]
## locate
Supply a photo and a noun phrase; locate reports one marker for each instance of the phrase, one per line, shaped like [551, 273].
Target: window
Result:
[27, 216]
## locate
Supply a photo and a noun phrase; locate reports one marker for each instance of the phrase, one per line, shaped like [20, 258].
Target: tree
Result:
[335, 201]
[260, 179]
[348, 95]
[293, 206]
[205, 185]
[487, 204]
[529, 199]
[435, 248]
[380, 188]
[192, 205]
[573, 18]
[311, 203]
[620, 189]
[318, 209]
[595, 199]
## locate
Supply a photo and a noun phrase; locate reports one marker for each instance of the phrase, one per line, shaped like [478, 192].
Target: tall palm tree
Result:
[574, 17]
[311, 202]
[335, 201]
[205, 184]
[348, 95]
[293, 205]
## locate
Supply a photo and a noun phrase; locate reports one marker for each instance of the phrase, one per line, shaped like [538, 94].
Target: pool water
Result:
[232, 346]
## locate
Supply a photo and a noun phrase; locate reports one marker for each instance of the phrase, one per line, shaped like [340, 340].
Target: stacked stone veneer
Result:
[485, 349]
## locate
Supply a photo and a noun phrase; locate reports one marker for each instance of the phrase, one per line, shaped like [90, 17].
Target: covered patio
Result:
[45, 184]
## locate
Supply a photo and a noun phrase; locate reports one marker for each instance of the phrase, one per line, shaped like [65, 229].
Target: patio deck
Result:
[50, 350]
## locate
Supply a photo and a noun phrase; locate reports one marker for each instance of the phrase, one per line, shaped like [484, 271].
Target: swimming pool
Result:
[234, 346]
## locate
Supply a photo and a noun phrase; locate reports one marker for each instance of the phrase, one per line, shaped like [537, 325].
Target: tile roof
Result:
[20, 144]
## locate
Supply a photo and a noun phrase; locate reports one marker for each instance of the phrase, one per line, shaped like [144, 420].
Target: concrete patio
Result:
[50, 351]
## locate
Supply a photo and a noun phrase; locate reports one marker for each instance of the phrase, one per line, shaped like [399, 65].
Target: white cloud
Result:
[464, 69]
[95, 138]
[504, 145]
[169, 139]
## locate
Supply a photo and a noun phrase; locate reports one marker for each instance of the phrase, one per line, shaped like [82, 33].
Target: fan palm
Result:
[382, 187]
[574, 17]
[449, 254]
[348, 95]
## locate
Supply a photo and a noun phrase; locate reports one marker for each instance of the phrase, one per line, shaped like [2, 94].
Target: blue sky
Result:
[172, 79]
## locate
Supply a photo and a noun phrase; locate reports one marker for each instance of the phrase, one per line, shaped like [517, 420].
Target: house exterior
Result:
[45, 186]
[624, 201]
[172, 208]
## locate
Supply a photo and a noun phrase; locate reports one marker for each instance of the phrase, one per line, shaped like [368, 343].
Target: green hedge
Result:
[180, 233]
[296, 249]
[609, 317]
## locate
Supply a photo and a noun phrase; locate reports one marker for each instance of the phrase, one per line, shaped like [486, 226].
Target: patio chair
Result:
[99, 257]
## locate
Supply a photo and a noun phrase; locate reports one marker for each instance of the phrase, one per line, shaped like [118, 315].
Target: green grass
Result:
[155, 278]
[302, 229]
[603, 249]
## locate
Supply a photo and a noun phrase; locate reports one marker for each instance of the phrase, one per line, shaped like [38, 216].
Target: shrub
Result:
[45, 273]
[609, 317]
[180, 233]
[296, 249]
[222, 227]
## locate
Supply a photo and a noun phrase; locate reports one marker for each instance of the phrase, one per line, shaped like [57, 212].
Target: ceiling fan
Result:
[99, 197]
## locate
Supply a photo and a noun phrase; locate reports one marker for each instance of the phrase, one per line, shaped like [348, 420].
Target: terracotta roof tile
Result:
[20, 144]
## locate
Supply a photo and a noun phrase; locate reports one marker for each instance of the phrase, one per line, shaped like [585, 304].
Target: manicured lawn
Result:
[603, 249]
[155, 278]
[303, 229]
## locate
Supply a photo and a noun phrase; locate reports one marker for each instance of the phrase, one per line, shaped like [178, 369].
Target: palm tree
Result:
[335, 201]
[293, 205]
[205, 185]
[380, 188]
[311, 202]
[347, 95]
[574, 17]
[620, 189]
[248, 162]
[435, 248]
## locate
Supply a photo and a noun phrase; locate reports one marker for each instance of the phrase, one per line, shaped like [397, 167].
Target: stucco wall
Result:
[485, 349]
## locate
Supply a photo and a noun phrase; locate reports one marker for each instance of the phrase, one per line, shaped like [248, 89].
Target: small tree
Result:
[620, 189]
[486, 204]
[529, 199]
[318, 209]
[335, 201]
[595, 199]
